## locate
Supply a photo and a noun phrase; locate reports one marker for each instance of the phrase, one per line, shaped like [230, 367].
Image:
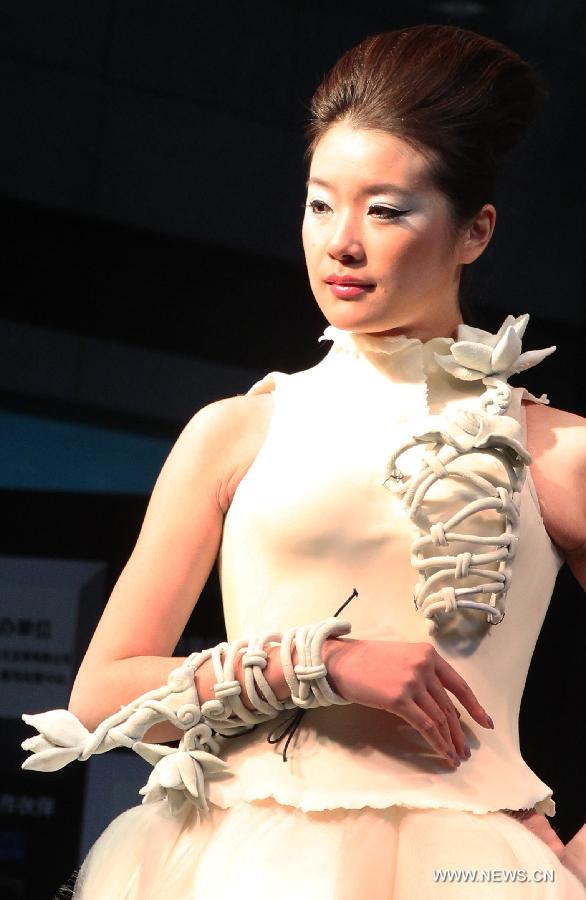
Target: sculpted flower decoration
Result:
[466, 430]
[60, 740]
[478, 354]
[179, 772]
[179, 775]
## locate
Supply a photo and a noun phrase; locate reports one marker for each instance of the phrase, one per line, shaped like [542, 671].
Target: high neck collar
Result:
[367, 344]
[401, 360]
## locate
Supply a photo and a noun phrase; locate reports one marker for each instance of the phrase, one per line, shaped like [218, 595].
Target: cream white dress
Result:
[362, 808]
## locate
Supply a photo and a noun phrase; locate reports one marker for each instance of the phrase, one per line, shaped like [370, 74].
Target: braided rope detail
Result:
[449, 439]
[179, 772]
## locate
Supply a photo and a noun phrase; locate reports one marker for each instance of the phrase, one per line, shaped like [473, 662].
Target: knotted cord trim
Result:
[449, 439]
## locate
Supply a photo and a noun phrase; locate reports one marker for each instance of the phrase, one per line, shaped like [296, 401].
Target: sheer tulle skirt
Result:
[263, 849]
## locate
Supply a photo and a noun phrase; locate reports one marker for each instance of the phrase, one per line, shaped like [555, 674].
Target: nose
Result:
[344, 240]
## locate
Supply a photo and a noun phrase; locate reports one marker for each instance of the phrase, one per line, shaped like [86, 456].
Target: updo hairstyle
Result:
[459, 98]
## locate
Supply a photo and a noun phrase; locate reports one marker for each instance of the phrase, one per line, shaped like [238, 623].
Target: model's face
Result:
[373, 214]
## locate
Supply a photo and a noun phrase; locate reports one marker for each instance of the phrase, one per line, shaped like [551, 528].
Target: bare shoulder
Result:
[556, 440]
[541, 416]
[232, 431]
[554, 434]
[233, 416]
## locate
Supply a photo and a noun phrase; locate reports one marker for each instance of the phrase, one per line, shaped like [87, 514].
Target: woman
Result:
[406, 773]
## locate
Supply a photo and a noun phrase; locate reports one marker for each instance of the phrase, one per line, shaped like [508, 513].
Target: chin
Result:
[353, 317]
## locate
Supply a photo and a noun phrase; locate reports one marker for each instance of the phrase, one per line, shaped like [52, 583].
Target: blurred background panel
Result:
[151, 185]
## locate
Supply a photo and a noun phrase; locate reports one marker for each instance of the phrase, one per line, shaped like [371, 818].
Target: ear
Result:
[477, 234]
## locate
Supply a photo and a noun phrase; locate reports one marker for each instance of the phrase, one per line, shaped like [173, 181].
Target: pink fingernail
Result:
[490, 722]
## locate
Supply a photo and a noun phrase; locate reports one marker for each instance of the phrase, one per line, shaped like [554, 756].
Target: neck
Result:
[424, 331]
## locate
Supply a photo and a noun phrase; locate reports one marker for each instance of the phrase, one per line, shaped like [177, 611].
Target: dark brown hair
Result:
[458, 97]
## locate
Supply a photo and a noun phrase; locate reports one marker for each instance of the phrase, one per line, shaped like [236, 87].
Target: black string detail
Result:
[292, 724]
[346, 602]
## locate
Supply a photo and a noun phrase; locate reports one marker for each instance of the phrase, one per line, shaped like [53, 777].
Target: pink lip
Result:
[349, 290]
[348, 286]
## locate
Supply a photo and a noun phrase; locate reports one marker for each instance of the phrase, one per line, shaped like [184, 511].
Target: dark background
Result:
[151, 184]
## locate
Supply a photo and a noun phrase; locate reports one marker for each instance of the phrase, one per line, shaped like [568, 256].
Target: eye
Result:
[387, 212]
[316, 206]
[378, 211]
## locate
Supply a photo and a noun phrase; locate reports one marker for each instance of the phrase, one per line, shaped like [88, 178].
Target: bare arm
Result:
[557, 443]
[130, 651]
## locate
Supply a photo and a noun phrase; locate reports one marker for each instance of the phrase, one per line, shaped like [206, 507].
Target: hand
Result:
[410, 680]
[540, 827]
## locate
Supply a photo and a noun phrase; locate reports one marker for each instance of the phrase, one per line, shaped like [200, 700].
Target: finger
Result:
[452, 715]
[429, 705]
[454, 682]
[425, 725]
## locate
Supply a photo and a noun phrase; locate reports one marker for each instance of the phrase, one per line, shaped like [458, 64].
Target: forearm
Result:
[96, 696]
[99, 693]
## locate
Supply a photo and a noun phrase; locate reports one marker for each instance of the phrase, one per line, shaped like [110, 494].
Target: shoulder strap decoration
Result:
[479, 579]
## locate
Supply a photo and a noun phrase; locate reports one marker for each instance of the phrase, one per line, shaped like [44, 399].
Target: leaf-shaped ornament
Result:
[59, 726]
[531, 358]
[473, 356]
[51, 760]
[506, 351]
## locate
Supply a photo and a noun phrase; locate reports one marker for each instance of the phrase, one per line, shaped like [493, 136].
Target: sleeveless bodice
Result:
[311, 520]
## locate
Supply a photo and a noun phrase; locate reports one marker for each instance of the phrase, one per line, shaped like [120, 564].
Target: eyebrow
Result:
[369, 190]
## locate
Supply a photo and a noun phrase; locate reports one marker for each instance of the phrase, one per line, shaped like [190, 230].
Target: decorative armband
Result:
[179, 772]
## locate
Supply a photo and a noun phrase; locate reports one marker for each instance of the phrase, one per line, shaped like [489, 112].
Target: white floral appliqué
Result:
[477, 353]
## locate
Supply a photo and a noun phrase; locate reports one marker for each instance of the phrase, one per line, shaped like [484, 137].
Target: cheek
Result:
[310, 247]
[306, 239]
[404, 252]
[417, 253]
